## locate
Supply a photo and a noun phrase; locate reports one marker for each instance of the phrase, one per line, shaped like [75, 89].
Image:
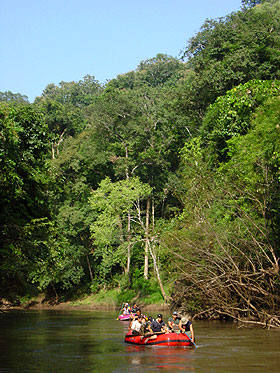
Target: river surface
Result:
[93, 341]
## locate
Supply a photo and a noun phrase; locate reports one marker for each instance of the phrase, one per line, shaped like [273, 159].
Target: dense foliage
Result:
[164, 180]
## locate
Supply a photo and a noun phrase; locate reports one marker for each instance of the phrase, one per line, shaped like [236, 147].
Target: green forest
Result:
[161, 184]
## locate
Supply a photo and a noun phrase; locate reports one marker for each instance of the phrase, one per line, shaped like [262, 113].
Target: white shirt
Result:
[136, 325]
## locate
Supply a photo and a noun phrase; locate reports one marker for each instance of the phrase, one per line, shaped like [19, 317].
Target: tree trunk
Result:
[54, 289]
[146, 262]
[128, 221]
[55, 145]
[153, 215]
[120, 225]
[165, 296]
[53, 151]
[129, 245]
[89, 268]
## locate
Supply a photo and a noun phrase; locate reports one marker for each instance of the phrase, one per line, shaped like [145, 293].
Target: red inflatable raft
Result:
[165, 339]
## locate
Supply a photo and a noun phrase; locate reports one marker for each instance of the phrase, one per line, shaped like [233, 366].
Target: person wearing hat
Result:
[173, 322]
[186, 327]
[148, 324]
[126, 309]
[157, 325]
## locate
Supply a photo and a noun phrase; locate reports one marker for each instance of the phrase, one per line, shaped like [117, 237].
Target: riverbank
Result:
[91, 302]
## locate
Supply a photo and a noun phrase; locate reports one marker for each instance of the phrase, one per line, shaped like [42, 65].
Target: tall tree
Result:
[227, 52]
[250, 3]
[232, 113]
[11, 97]
[79, 94]
[229, 252]
[111, 203]
[23, 184]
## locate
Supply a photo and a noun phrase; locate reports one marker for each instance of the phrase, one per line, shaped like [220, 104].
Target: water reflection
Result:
[162, 358]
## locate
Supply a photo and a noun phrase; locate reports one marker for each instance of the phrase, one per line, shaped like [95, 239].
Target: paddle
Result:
[120, 311]
[195, 345]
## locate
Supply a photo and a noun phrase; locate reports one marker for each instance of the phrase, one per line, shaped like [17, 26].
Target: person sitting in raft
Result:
[137, 313]
[157, 325]
[134, 308]
[173, 322]
[147, 324]
[133, 316]
[126, 309]
[137, 325]
[186, 327]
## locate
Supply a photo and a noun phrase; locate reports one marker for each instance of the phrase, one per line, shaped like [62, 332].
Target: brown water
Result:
[83, 341]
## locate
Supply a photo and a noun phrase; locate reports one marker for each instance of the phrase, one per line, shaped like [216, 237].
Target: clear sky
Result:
[49, 41]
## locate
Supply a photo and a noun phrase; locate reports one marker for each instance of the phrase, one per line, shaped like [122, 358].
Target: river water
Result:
[93, 341]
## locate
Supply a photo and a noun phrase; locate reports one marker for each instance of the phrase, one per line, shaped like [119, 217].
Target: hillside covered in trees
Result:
[162, 183]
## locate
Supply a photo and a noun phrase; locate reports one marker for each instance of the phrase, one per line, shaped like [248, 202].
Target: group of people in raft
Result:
[149, 327]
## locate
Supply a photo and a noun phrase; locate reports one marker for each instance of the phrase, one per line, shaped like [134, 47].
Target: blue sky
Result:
[49, 41]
